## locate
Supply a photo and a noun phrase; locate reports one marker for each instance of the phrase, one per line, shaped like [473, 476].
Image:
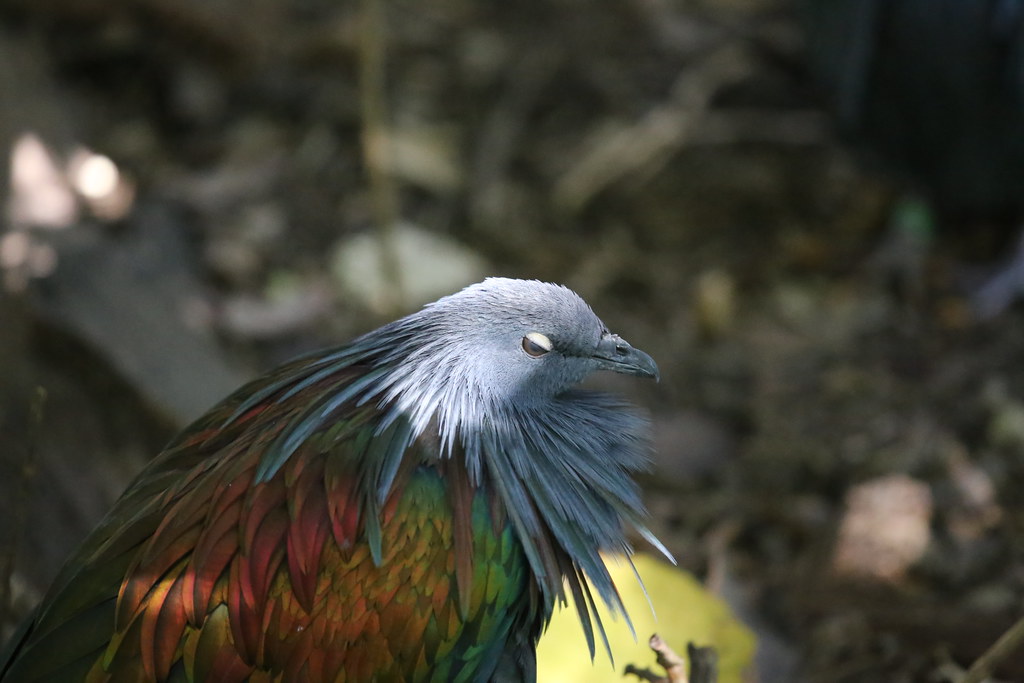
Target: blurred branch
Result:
[986, 664]
[377, 149]
[645, 146]
[703, 664]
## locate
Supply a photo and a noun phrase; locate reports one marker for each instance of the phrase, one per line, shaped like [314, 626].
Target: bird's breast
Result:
[406, 614]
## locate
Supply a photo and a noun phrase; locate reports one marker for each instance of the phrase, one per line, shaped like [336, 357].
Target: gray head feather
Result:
[463, 361]
[560, 458]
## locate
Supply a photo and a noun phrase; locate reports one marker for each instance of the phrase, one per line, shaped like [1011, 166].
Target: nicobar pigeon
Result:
[409, 507]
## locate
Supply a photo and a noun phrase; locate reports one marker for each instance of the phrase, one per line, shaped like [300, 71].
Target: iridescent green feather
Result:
[78, 630]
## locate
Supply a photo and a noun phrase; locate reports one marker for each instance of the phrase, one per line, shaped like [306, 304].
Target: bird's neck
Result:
[561, 473]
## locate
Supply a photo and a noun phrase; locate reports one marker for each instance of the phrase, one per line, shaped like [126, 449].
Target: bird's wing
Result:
[149, 572]
[213, 561]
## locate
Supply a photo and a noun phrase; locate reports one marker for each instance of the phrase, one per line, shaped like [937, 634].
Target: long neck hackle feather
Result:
[560, 461]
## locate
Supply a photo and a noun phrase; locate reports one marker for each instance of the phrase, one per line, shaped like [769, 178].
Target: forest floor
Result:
[840, 440]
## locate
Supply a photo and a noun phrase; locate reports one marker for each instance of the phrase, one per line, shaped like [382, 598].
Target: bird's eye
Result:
[536, 344]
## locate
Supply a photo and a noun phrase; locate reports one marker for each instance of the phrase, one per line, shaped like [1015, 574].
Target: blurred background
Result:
[807, 211]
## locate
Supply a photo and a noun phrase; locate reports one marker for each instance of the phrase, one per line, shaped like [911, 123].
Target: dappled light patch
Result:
[885, 528]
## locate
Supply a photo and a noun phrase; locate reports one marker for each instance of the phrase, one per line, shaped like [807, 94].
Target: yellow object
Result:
[686, 612]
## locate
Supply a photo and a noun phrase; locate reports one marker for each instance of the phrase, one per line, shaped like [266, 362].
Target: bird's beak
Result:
[614, 353]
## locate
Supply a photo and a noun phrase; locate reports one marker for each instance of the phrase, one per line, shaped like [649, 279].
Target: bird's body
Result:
[404, 508]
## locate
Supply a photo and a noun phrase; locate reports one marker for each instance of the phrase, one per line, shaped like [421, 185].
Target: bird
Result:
[935, 91]
[410, 506]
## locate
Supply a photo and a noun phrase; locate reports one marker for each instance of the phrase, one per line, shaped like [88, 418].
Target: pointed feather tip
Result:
[373, 533]
[615, 608]
[271, 464]
[655, 543]
[643, 588]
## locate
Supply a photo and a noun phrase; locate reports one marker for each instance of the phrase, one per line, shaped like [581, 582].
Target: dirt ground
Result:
[840, 440]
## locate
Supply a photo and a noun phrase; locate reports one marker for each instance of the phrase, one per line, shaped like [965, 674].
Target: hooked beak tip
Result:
[615, 354]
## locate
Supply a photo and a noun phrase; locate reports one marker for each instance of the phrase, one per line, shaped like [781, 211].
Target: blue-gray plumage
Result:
[411, 506]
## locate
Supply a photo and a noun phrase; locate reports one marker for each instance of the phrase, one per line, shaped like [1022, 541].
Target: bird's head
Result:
[502, 344]
[524, 338]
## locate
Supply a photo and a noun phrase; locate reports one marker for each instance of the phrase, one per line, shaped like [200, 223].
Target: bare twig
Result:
[986, 664]
[703, 664]
[674, 665]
